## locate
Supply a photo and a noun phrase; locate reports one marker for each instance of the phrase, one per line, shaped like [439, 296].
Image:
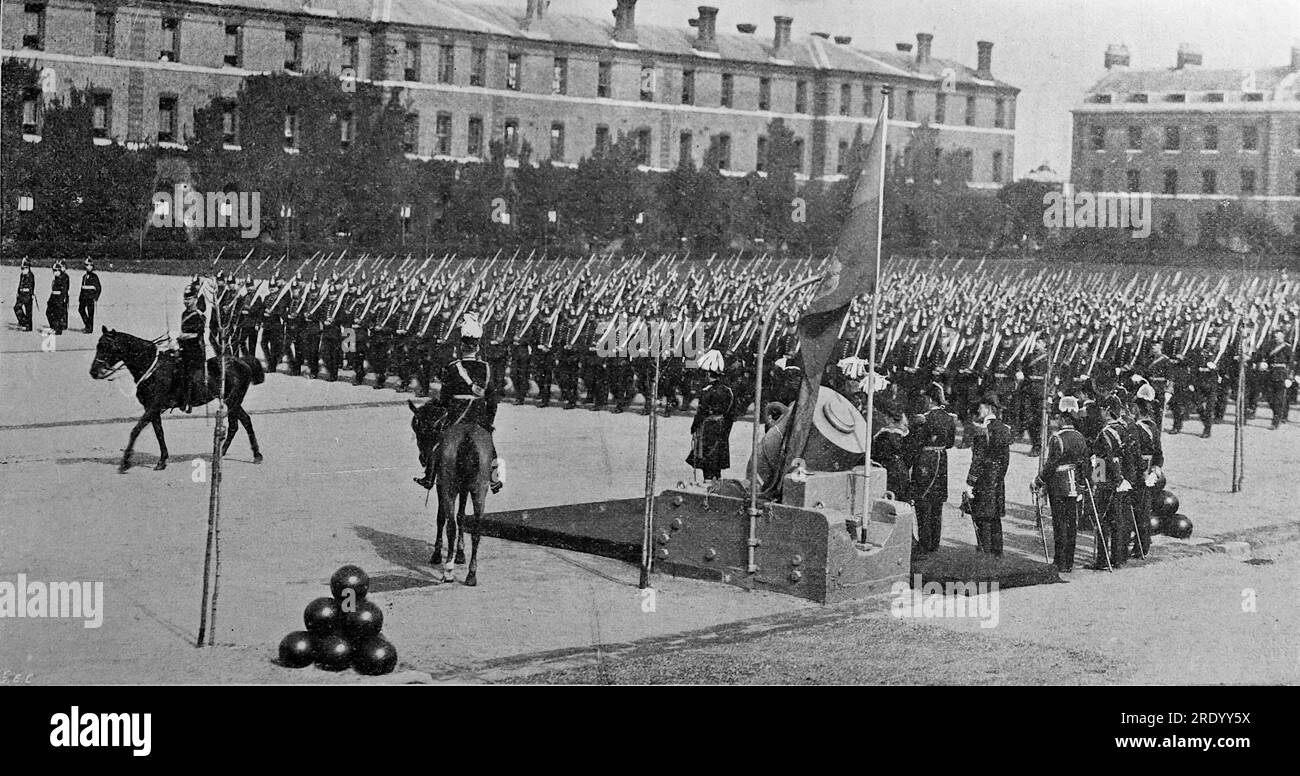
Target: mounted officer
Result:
[192, 352]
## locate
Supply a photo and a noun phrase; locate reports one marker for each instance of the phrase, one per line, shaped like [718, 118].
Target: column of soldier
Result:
[56, 304]
[1096, 348]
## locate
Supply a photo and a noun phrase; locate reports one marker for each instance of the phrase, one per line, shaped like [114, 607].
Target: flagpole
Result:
[883, 126]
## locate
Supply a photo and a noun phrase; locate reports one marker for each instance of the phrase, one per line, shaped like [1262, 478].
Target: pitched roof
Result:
[1187, 79]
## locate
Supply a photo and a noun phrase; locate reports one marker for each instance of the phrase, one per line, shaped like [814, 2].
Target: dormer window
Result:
[1139, 97]
[1252, 97]
[1101, 99]
[1214, 97]
[1176, 98]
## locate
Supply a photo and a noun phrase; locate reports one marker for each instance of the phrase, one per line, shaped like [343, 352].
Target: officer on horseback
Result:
[469, 393]
[192, 351]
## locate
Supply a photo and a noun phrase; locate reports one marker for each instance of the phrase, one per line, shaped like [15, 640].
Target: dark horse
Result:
[458, 459]
[158, 381]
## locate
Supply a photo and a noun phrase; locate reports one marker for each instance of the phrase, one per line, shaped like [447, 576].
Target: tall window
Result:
[347, 129]
[1173, 138]
[685, 147]
[351, 51]
[166, 119]
[230, 124]
[1000, 112]
[442, 130]
[557, 142]
[104, 27]
[722, 150]
[1250, 138]
[798, 154]
[478, 66]
[169, 48]
[512, 72]
[101, 114]
[31, 111]
[234, 45]
[688, 87]
[1135, 138]
[846, 99]
[941, 108]
[34, 26]
[1097, 136]
[760, 154]
[647, 83]
[1209, 182]
[293, 50]
[868, 100]
[290, 129]
[1171, 181]
[909, 106]
[765, 93]
[604, 75]
[997, 166]
[643, 146]
[411, 133]
[1247, 182]
[1212, 138]
[970, 110]
[474, 136]
[411, 62]
[842, 157]
[446, 63]
[1134, 180]
[512, 137]
[801, 97]
[728, 90]
[602, 140]
[560, 76]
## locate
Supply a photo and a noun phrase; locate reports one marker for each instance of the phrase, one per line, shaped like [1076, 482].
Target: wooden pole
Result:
[647, 534]
[212, 550]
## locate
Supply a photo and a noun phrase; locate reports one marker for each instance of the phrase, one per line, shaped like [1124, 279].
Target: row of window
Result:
[233, 55]
[1173, 137]
[1248, 95]
[1209, 181]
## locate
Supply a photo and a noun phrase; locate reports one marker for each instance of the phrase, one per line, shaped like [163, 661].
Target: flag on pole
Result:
[852, 272]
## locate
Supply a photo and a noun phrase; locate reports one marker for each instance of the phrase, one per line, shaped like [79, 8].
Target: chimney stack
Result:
[625, 21]
[1116, 55]
[984, 60]
[1295, 57]
[904, 47]
[1188, 55]
[745, 28]
[708, 27]
[923, 40]
[781, 41]
[843, 40]
[536, 10]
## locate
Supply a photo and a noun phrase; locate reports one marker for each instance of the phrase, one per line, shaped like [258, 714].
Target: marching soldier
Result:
[250, 319]
[273, 325]
[56, 307]
[934, 432]
[90, 290]
[521, 356]
[569, 361]
[1205, 386]
[26, 295]
[1033, 392]
[986, 480]
[1279, 354]
[1113, 472]
[711, 428]
[1063, 474]
[1181, 390]
[331, 337]
[1152, 459]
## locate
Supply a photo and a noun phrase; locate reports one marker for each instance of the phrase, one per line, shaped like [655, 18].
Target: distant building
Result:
[1193, 138]
[474, 72]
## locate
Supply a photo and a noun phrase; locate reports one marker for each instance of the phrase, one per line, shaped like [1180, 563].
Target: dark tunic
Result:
[711, 428]
[990, 457]
[933, 434]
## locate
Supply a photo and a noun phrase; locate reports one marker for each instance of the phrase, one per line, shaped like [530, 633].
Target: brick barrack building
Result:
[517, 71]
[1193, 138]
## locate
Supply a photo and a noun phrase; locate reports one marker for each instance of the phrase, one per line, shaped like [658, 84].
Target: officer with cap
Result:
[1151, 461]
[192, 351]
[934, 432]
[1063, 474]
[986, 481]
[90, 290]
[26, 295]
[56, 307]
[469, 392]
[1113, 472]
[711, 428]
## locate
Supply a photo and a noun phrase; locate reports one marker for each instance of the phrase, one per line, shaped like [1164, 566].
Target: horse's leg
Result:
[162, 443]
[447, 505]
[460, 520]
[130, 442]
[247, 423]
[480, 498]
[436, 558]
[232, 429]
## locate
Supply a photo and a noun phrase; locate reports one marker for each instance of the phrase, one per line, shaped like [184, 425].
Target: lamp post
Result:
[405, 213]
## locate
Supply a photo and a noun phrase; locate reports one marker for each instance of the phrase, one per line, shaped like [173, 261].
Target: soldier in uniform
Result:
[1063, 475]
[889, 447]
[308, 346]
[1182, 392]
[541, 362]
[331, 337]
[192, 352]
[711, 428]
[56, 307]
[469, 393]
[1033, 392]
[250, 319]
[934, 432]
[521, 357]
[90, 290]
[1204, 386]
[569, 361]
[1279, 354]
[497, 354]
[1151, 460]
[1156, 372]
[26, 295]
[273, 325]
[986, 480]
[1113, 470]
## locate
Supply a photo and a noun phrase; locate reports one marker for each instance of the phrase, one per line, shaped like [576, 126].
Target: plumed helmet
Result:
[470, 328]
[712, 362]
[1146, 392]
[1068, 404]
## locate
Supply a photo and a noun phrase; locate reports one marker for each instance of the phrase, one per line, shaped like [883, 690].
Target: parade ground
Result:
[335, 488]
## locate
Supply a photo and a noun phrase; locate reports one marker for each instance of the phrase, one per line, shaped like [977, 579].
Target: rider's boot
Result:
[498, 475]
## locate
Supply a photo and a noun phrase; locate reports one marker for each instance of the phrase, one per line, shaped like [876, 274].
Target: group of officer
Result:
[56, 306]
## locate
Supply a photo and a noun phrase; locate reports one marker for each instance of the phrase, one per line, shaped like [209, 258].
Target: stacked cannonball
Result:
[342, 630]
[1166, 519]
